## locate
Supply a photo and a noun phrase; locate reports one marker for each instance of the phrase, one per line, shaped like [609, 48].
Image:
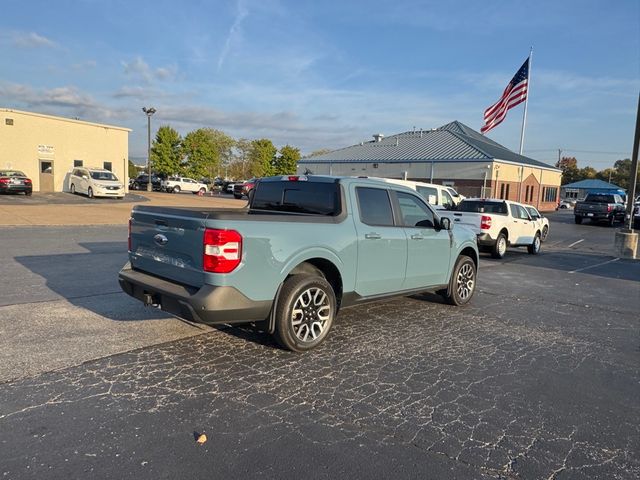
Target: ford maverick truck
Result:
[302, 249]
[498, 224]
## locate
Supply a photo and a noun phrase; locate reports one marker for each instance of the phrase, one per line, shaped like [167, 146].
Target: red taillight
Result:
[222, 250]
[485, 222]
[27, 180]
[129, 236]
[608, 208]
[4, 180]
[296, 178]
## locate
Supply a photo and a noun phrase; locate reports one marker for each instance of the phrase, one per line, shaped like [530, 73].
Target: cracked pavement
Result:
[537, 378]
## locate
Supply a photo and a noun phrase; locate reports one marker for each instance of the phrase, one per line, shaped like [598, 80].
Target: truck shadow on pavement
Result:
[89, 279]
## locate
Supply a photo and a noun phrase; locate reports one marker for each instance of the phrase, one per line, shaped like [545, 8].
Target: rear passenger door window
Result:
[374, 206]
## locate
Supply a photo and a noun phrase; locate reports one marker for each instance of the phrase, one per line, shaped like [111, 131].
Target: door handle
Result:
[373, 236]
[417, 237]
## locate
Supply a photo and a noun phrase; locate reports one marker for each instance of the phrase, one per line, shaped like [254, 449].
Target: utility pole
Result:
[149, 111]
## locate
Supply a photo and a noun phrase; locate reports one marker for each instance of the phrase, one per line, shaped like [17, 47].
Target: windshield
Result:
[12, 173]
[103, 176]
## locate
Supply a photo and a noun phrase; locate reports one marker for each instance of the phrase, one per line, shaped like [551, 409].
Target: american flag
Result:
[514, 94]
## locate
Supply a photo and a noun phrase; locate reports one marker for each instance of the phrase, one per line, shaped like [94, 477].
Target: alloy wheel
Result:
[310, 314]
[465, 283]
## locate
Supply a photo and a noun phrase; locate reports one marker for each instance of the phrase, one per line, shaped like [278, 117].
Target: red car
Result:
[14, 181]
[242, 189]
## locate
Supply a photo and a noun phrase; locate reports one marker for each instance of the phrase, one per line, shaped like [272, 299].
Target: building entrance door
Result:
[46, 175]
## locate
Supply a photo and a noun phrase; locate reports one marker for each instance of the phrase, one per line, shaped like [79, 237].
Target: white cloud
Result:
[31, 40]
[141, 69]
[235, 32]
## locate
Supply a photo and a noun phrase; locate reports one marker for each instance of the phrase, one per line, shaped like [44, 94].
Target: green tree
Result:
[570, 171]
[587, 172]
[242, 153]
[261, 158]
[165, 151]
[204, 151]
[133, 171]
[287, 162]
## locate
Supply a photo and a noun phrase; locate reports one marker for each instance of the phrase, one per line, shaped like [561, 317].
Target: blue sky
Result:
[330, 74]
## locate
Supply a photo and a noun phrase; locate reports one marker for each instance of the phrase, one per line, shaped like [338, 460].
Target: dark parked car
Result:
[14, 181]
[242, 189]
[141, 181]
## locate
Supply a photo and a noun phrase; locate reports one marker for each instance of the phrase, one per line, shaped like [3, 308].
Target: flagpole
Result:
[526, 103]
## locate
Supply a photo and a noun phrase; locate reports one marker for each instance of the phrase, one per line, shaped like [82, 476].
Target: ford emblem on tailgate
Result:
[160, 239]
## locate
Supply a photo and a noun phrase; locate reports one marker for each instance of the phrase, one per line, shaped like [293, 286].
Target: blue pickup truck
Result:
[302, 249]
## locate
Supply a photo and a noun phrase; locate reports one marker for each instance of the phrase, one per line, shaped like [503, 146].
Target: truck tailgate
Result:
[167, 242]
[467, 219]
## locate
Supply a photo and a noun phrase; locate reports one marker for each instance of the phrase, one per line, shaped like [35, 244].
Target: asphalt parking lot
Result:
[537, 378]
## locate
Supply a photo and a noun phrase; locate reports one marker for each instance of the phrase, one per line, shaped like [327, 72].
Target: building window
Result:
[46, 167]
[8, 121]
[375, 165]
[77, 163]
[107, 166]
[550, 194]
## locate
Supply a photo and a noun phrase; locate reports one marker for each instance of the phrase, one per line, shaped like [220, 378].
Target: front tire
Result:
[463, 282]
[305, 312]
[90, 192]
[236, 196]
[534, 248]
[73, 189]
[176, 189]
[500, 247]
[577, 219]
[545, 233]
[612, 220]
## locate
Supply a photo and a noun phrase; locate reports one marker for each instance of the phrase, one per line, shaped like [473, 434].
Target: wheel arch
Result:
[471, 253]
[313, 266]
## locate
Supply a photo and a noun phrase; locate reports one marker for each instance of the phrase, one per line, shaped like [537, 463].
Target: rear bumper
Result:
[485, 240]
[209, 304]
[16, 189]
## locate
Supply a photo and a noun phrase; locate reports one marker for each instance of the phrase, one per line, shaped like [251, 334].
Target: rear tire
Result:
[305, 312]
[612, 220]
[545, 233]
[534, 248]
[73, 189]
[577, 219]
[500, 247]
[236, 196]
[462, 284]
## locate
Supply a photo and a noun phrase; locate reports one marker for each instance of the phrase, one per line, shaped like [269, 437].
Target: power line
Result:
[579, 151]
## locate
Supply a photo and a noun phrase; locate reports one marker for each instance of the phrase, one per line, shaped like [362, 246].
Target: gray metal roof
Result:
[452, 142]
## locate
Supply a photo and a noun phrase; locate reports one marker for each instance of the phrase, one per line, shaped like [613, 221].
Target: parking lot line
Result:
[575, 243]
[594, 266]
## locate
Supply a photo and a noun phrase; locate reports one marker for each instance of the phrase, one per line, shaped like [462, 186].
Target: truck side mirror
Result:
[445, 223]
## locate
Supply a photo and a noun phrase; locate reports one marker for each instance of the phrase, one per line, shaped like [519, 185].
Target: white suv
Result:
[95, 182]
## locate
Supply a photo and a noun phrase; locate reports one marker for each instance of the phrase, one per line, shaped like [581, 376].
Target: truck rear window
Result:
[297, 197]
[600, 199]
[479, 206]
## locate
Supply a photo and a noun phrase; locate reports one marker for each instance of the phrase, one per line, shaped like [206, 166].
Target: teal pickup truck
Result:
[303, 248]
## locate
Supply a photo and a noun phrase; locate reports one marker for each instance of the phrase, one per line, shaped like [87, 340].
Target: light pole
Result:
[149, 111]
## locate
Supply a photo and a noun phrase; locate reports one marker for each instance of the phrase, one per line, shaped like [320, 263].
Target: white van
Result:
[439, 196]
[95, 182]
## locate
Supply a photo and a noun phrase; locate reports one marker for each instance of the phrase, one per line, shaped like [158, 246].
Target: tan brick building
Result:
[453, 155]
[47, 148]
